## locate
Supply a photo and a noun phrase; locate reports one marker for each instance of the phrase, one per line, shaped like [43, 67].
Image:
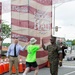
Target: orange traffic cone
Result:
[1, 72]
[48, 64]
[13, 69]
[5, 66]
[1, 67]
[20, 66]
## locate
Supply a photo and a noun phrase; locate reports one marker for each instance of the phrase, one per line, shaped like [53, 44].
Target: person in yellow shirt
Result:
[31, 57]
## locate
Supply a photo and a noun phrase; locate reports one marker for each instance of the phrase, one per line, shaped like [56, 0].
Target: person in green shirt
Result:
[32, 48]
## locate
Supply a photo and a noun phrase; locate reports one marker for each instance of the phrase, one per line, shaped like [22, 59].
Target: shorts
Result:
[31, 64]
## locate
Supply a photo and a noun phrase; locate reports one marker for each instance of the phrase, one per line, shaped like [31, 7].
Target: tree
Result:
[5, 33]
[73, 42]
[6, 30]
[69, 42]
[6, 44]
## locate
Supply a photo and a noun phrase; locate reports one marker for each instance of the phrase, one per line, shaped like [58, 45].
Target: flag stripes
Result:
[32, 18]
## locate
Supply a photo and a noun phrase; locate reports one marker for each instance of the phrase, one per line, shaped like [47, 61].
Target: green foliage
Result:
[73, 42]
[69, 41]
[6, 44]
[6, 30]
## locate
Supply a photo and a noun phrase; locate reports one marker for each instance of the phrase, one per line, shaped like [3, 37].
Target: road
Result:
[68, 68]
[45, 71]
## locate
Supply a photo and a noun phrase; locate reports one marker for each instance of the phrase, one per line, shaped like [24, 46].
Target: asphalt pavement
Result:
[45, 71]
[68, 67]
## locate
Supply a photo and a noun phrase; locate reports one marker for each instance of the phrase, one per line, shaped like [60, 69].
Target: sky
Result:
[64, 19]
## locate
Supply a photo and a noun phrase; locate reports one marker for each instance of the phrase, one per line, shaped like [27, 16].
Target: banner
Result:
[0, 25]
[32, 18]
[7, 3]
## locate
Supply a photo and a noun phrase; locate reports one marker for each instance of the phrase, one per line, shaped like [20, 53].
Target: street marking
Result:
[70, 73]
[69, 66]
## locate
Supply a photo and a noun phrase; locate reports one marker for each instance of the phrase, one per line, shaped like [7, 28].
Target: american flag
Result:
[7, 4]
[32, 18]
